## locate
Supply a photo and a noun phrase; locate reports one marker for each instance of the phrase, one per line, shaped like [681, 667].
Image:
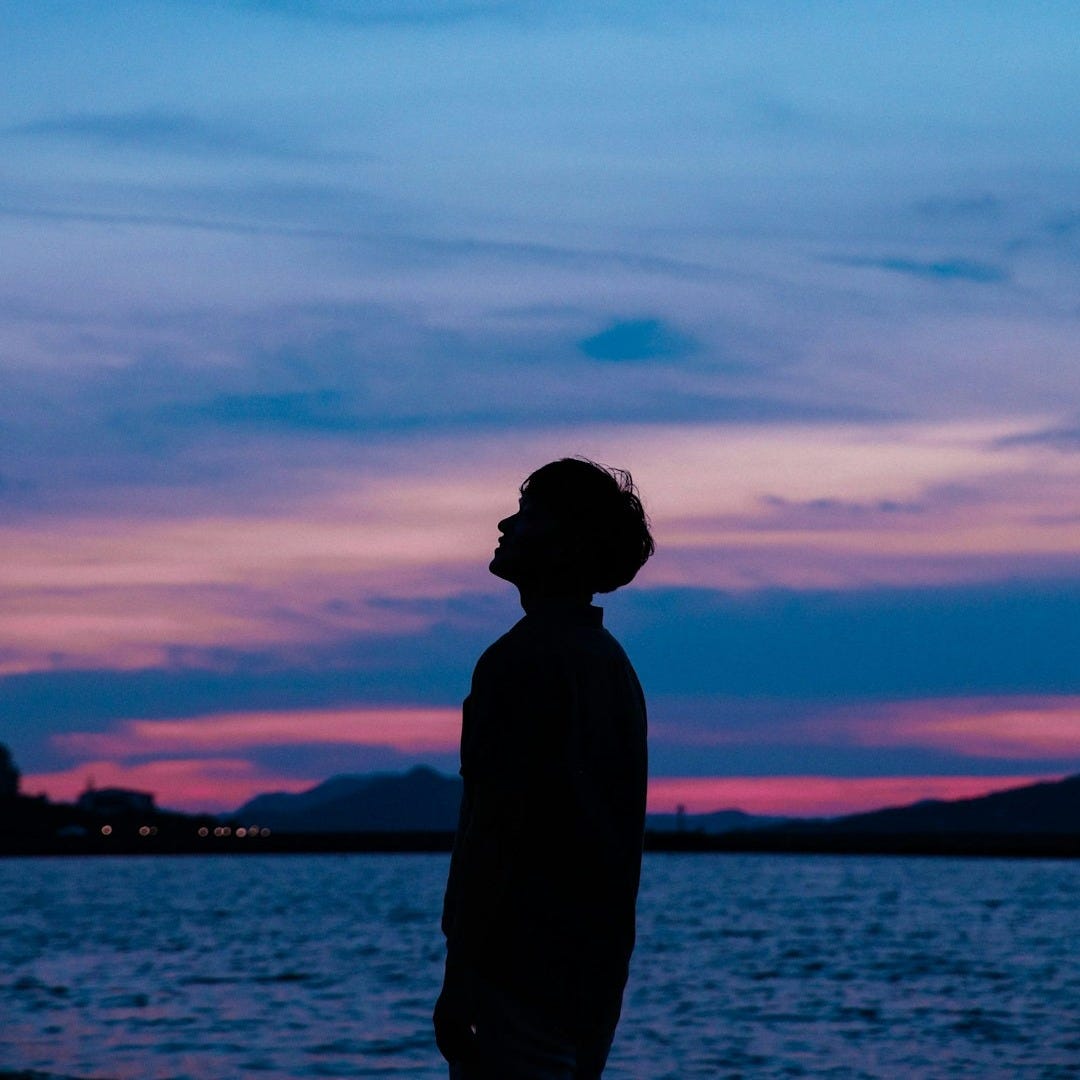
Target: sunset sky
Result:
[294, 294]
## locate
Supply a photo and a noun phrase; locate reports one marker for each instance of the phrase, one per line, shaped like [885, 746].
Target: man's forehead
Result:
[529, 504]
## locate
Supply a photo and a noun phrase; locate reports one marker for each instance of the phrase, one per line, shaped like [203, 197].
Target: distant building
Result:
[115, 801]
[9, 775]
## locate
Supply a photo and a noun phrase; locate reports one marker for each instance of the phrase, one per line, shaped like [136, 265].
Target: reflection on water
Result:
[755, 966]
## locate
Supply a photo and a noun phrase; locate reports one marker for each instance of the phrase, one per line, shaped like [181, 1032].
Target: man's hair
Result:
[601, 508]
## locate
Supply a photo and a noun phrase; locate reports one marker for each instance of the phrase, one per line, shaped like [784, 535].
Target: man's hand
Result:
[455, 1015]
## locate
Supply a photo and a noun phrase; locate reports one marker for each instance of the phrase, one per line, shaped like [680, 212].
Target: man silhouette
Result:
[539, 907]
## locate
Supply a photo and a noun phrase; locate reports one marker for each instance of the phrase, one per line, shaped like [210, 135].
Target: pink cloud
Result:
[123, 593]
[983, 727]
[1044, 726]
[406, 729]
[203, 784]
[128, 591]
[810, 796]
[223, 783]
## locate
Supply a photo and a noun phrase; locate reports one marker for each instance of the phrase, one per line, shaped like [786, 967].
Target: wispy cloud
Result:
[823, 649]
[1065, 438]
[638, 339]
[366, 228]
[411, 730]
[144, 390]
[378, 12]
[418, 14]
[169, 132]
[285, 529]
[1024, 728]
[944, 270]
[817, 796]
[981, 206]
[305, 411]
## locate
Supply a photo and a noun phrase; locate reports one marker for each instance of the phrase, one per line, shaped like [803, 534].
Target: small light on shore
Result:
[106, 830]
[144, 830]
[241, 831]
[203, 830]
[264, 832]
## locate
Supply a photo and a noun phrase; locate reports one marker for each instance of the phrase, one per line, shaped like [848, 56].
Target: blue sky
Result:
[294, 295]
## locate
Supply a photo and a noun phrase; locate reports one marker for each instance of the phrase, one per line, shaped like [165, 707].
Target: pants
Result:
[515, 1043]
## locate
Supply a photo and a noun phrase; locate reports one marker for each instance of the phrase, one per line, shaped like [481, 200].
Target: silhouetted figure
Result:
[539, 909]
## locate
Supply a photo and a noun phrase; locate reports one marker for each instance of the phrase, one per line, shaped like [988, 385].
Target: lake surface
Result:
[755, 966]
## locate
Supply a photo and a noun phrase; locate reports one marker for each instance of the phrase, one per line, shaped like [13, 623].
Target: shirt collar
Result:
[567, 612]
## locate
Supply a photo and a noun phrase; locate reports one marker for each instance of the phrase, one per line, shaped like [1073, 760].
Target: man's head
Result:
[580, 528]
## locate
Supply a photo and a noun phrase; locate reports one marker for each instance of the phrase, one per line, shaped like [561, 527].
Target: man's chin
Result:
[499, 568]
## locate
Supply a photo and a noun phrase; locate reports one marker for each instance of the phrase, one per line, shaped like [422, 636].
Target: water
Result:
[751, 966]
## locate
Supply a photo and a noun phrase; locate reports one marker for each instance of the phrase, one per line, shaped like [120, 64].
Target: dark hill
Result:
[719, 821]
[425, 800]
[421, 800]
[1048, 808]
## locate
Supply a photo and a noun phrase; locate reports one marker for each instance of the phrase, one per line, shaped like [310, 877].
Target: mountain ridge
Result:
[1046, 807]
[425, 799]
[420, 799]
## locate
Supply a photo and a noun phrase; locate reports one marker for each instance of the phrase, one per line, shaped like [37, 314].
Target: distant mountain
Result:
[424, 800]
[719, 821]
[1048, 808]
[421, 800]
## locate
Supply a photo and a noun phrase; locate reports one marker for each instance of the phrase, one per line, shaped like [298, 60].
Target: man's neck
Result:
[539, 599]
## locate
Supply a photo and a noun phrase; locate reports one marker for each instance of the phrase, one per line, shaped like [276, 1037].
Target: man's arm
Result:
[455, 1012]
[501, 763]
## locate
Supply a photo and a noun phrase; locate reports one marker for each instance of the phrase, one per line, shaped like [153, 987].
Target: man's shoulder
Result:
[513, 649]
[532, 644]
[515, 640]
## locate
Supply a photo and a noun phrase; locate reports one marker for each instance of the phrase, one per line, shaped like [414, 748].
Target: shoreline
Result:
[756, 841]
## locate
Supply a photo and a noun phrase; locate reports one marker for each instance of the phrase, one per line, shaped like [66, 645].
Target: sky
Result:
[294, 295]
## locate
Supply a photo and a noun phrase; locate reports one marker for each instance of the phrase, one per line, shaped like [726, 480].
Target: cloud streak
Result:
[801, 507]
[638, 339]
[943, 270]
[1064, 438]
[168, 132]
[409, 730]
[817, 796]
[868, 507]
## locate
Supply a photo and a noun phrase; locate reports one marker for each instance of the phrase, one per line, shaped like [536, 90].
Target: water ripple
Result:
[747, 966]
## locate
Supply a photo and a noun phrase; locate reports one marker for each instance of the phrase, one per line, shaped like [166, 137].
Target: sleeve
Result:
[510, 735]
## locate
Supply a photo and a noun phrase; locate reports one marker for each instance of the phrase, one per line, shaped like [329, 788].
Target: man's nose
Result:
[504, 525]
